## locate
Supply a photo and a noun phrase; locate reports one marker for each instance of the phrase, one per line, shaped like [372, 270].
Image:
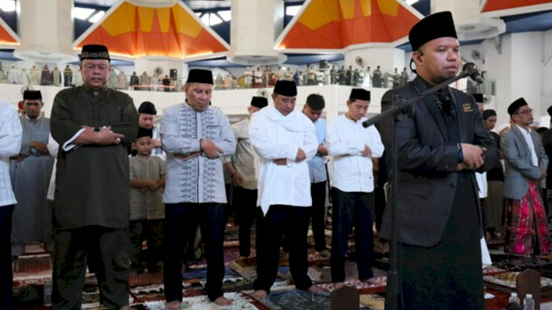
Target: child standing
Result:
[147, 212]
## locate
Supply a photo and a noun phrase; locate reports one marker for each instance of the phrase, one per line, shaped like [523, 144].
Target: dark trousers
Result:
[71, 248]
[245, 210]
[352, 208]
[294, 222]
[6, 276]
[318, 194]
[211, 219]
[152, 232]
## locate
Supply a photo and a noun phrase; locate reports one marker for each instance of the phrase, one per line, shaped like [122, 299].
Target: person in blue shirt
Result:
[317, 169]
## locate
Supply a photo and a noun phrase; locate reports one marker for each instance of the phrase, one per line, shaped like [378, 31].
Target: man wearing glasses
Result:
[527, 231]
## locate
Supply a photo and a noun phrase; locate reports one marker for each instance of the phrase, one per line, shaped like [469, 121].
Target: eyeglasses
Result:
[526, 112]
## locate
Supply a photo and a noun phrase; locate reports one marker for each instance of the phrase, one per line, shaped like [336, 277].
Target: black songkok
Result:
[488, 113]
[200, 76]
[285, 88]
[32, 95]
[93, 51]
[360, 94]
[432, 27]
[514, 106]
[316, 102]
[143, 132]
[478, 98]
[147, 108]
[259, 102]
[549, 110]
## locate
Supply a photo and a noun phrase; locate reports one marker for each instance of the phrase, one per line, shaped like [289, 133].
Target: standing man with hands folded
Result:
[527, 231]
[439, 149]
[195, 136]
[92, 200]
[285, 140]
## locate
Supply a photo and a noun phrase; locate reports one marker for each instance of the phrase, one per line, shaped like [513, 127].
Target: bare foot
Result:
[127, 307]
[315, 289]
[259, 294]
[173, 305]
[241, 257]
[339, 285]
[223, 301]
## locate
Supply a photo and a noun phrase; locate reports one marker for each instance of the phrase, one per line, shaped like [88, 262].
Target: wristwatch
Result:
[96, 129]
[460, 154]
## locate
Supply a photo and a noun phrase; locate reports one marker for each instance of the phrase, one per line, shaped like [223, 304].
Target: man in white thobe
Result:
[285, 140]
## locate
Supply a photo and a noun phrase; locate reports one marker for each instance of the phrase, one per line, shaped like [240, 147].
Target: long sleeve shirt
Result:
[198, 179]
[275, 136]
[92, 181]
[346, 139]
[317, 165]
[10, 144]
[244, 159]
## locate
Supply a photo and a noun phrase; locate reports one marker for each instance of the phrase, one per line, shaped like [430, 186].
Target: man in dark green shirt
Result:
[92, 123]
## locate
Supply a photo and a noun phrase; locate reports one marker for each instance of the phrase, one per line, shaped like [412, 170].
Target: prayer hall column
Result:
[46, 31]
[254, 27]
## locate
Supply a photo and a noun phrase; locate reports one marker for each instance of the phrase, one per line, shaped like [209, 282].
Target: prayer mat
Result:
[506, 282]
[373, 301]
[239, 302]
[372, 286]
[298, 299]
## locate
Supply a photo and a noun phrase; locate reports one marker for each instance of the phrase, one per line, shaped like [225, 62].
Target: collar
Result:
[39, 117]
[528, 130]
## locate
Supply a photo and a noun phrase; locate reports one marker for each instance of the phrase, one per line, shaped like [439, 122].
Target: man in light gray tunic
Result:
[30, 173]
[195, 136]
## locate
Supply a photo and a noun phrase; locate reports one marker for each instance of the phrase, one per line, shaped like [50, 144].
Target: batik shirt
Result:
[198, 179]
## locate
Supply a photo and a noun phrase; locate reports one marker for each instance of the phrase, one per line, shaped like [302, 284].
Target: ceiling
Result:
[540, 21]
[196, 5]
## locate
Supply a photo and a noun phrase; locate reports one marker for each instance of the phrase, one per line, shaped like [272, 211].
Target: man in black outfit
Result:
[439, 150]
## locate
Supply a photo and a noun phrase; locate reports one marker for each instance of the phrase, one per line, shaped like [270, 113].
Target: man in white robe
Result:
[10, 145]
[285, 140]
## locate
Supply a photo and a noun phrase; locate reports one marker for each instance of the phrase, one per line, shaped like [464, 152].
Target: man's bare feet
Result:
[223, 301]
[339, 285]
[259, 294]
[315, 289]
[173, 305]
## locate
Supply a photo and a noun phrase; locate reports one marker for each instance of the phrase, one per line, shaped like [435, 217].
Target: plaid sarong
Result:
[526, 226]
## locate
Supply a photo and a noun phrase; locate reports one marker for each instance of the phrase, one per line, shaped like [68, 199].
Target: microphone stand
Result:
[399, 108]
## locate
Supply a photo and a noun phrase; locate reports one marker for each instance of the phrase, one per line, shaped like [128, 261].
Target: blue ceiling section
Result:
[540, 21]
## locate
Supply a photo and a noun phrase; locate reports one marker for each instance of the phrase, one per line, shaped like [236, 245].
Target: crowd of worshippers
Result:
[100, 178]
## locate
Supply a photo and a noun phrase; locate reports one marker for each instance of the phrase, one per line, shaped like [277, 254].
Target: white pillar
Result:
[46, 31]
[254, 27]
[515, 64]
